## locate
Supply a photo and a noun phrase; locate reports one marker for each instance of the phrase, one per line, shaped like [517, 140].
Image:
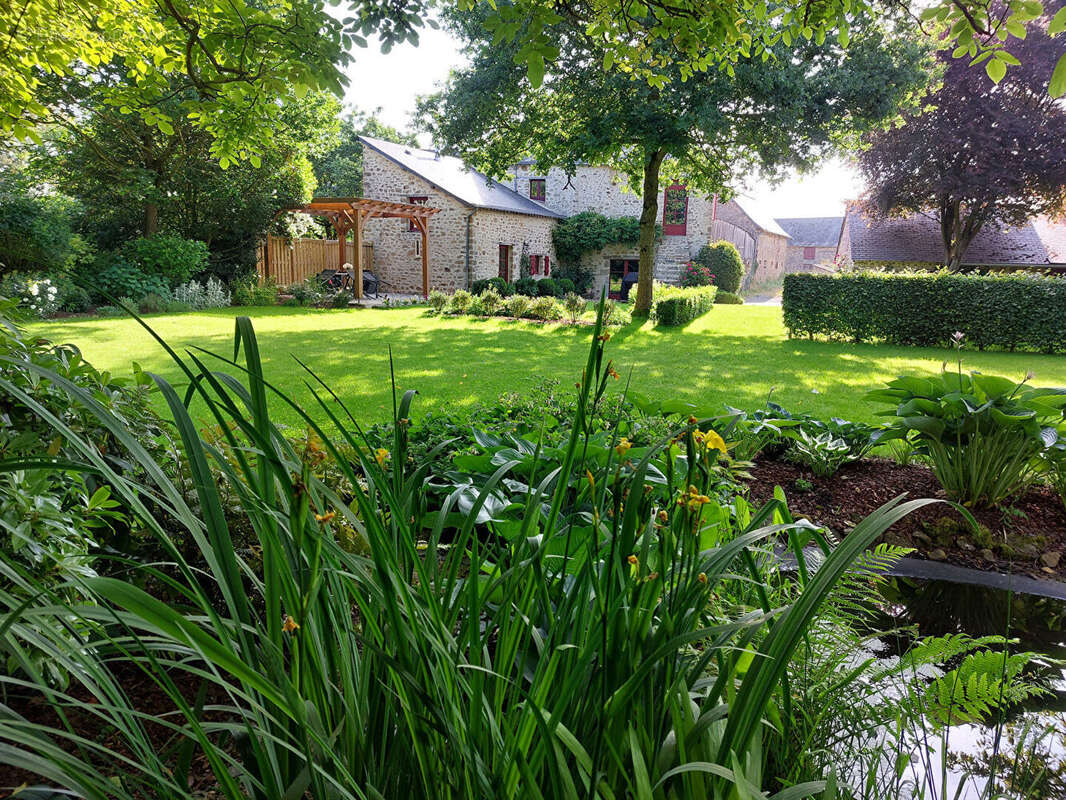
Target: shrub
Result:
[728, 298]
[545, 308]
[516, 305]
[248, 291]
[581, 278]
[114, 276]
[153, 303]
[35, 233]
[437, 301]
[693, 274]
[822, 453]
[200, 296]
[460, 302]
[546, 288]
[617, 313]
[925, 309]
[172, 258]
[526, 286]
[110, 311]
[575, 306]
[564, 286]
[36, 296]
[982, 434]
[502, 287]
[341, 299]
[675, 305]
[309, 292]
[722, 259]
[488, 302]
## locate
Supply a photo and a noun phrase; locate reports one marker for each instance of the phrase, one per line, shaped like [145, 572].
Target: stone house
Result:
[813, 242]
[483, 228]
[914, 241]
[486, 227]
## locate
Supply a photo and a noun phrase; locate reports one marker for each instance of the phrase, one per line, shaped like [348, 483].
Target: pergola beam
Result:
[351, 214]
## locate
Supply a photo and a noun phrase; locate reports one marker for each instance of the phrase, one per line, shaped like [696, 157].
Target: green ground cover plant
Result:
[677, 305]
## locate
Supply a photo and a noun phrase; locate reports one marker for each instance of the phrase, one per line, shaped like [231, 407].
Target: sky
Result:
[391, 82]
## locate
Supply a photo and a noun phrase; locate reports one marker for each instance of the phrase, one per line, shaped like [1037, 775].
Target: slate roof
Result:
[916, 238]
[452, 176]
[812, 231]
[767, 223]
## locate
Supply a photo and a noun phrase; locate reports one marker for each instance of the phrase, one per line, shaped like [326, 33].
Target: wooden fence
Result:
[293, 260]
[720, 229]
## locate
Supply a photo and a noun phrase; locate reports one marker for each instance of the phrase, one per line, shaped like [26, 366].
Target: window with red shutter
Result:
[808, 253]
[537, 189]
[534, 265]
[547, 265]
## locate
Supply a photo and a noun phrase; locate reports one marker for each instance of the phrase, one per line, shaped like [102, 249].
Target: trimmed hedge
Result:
[675, 305]
[728, 298]
[1011, 311]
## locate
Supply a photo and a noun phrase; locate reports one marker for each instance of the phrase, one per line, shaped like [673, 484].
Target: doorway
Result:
[623, 274]
[505, 262]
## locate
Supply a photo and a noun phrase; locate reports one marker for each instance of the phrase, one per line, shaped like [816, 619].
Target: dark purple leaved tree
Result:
[981, 151]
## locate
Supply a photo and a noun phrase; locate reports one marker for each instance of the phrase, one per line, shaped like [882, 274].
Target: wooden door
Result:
[505, 262]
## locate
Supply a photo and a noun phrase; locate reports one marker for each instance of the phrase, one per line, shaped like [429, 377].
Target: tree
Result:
[132, 179]
[705, 129]
[339, 168]
[979, 152]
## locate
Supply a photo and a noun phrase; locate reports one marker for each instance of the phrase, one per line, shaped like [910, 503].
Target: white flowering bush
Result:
[198, 296]
[37, 295]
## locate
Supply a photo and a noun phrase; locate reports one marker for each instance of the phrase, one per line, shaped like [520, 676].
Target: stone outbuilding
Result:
[483, 229]
[813, 242]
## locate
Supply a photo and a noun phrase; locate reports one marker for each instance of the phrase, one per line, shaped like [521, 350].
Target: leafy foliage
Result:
[591, 231]
[728, 298]
[982, 434]
[693, 274]
[986, 146]
[1011, 311]
[170, 257]
[338, 166]
[676, 305]
[723, 260]
[115, 277]
[35, 233]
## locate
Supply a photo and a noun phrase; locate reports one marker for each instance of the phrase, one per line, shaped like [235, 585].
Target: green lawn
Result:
[733, 355]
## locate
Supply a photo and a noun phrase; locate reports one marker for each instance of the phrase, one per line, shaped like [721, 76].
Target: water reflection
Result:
[1027, 752]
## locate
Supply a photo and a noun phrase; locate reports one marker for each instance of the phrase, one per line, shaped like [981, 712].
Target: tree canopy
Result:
[979, 151]
[227, 61]
[339, 168]
[705, 129]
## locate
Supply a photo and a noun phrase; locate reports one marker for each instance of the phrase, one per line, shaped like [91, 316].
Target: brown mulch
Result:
[1023, 537]
[146, 696]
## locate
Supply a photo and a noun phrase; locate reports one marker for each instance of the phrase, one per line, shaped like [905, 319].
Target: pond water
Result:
[1027, 748]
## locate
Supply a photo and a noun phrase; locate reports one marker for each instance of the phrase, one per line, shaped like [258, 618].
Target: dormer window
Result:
[537, 190]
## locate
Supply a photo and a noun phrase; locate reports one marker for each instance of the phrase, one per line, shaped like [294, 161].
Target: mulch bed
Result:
[1027, 537]
[146, 696]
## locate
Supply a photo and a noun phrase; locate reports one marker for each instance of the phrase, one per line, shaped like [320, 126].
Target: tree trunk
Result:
[648, 215]
[958, 232]
[151, 217]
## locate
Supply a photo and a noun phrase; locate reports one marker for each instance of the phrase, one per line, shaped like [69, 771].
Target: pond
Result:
[1026, 749]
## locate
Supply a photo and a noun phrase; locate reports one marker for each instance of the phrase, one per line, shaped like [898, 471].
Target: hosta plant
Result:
[983, 435]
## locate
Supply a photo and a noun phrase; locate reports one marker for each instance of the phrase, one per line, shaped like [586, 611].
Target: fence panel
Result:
[720, 229]
[294, 260]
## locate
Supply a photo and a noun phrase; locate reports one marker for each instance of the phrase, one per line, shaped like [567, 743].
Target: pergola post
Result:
[423, 226]
[357, 236]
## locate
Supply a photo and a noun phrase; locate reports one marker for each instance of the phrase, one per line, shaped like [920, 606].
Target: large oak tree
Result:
[787, 109]
[980, 151]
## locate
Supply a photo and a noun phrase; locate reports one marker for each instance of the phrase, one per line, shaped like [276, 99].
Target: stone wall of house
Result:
[397, 254]
[523, 233]
[796, 262]
[843, 250]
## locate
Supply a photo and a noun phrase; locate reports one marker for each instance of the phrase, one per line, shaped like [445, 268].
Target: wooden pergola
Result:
[351, 213]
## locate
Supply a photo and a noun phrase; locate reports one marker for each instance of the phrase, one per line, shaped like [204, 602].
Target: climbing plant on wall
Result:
[590, 231]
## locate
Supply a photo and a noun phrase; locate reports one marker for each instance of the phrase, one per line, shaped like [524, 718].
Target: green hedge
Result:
[1011, 311]
[674, 305]
[728, 298]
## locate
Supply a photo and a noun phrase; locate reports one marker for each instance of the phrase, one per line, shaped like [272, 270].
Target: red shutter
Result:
[547, 265]
[534, 265]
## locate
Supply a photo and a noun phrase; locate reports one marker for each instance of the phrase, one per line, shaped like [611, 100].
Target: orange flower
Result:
[381, 455]
[611, 371]
[623, 447]
[325, 517]
[633, 560]
[664, 517]
[604, 337]
[590, 479]
[702, 577]
[290, 626]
